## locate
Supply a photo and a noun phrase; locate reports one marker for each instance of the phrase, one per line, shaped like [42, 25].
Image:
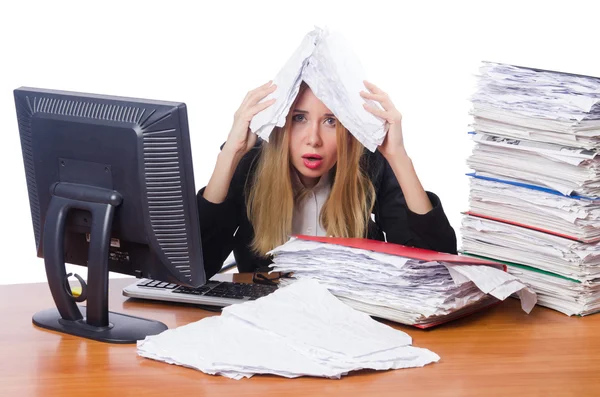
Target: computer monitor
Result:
[111, 187]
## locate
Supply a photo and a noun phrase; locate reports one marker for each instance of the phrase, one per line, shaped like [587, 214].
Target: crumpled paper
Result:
[335, 75]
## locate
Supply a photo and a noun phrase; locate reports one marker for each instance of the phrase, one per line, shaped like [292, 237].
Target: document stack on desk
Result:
[534, 197]
[298, 330]
[407, 285]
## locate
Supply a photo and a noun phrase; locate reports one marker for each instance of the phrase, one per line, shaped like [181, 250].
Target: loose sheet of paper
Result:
[298, 330]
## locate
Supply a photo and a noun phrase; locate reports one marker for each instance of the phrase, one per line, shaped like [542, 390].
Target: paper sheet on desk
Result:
[335, 75]
[298, 330]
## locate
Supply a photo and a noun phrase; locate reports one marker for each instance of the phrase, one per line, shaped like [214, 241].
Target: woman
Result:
[313, 177]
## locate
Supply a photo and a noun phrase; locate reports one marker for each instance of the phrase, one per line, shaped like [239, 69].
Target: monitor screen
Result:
[111, 184]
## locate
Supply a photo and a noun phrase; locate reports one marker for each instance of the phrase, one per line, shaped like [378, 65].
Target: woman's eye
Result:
[330, 121]
[298, 118]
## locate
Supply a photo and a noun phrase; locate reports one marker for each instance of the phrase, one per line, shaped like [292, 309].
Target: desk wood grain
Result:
[500, 352]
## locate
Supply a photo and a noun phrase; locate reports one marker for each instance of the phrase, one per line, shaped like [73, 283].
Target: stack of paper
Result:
[534, 196]
[396, 287]
[563, 272]
[545, 210]
[551, 253]
[335, 75]
[537, 105]
[564, 169]
[297, 330]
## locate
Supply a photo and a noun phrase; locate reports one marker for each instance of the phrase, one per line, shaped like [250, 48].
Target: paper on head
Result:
[335, 75]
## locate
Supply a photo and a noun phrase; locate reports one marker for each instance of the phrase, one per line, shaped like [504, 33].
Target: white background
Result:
[208, 55]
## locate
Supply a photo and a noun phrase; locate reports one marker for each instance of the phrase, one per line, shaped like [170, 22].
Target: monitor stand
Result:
[94, 321]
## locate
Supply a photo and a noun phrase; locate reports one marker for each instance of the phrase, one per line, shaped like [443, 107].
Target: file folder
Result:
[421, 255]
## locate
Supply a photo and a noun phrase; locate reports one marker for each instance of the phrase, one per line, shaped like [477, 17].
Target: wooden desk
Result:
[502, 352]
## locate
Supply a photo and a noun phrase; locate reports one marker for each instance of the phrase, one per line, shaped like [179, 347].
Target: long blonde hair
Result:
[271, 197]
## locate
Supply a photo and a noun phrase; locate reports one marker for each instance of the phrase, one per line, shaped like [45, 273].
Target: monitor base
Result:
[121, 328]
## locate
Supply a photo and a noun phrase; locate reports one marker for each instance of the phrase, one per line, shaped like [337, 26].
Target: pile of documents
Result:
[563, 272]
[564, 169]
[538, 209]
[534, 196]
[537, 105]
[407, 285]
[298, 330]
[335, 75]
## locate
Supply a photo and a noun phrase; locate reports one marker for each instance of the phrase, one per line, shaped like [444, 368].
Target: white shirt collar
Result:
[323, 181]
[306, 218]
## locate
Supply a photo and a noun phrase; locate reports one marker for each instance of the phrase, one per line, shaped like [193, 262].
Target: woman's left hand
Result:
[394, 152]
[393, 144]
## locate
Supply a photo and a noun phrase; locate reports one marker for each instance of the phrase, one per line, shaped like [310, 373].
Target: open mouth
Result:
[312, 161]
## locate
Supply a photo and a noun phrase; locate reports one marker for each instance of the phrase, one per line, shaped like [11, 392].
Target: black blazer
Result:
[225, 226]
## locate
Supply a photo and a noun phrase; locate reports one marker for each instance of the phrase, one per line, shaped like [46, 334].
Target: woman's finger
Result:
[384, 100]
[261, 94]
[257, 96]
[251, 93]
[373, 88]
[377, 112]
[254, 110]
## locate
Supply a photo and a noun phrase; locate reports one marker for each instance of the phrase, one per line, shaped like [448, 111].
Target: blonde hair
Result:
[270, 194]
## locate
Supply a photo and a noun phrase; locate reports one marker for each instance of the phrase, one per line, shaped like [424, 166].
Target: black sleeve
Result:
[218, 222]
[402, 226]
[217, 225]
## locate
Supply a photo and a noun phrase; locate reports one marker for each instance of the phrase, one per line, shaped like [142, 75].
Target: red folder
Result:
[418, 254]
[401, 250]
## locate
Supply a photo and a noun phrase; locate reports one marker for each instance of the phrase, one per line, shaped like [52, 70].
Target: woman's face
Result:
[313, 143]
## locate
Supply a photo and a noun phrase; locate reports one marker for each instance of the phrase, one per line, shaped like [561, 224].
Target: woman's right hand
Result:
[241, 139]
[239, 142]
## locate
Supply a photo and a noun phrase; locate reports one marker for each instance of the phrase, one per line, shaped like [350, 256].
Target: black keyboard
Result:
[216, 288]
